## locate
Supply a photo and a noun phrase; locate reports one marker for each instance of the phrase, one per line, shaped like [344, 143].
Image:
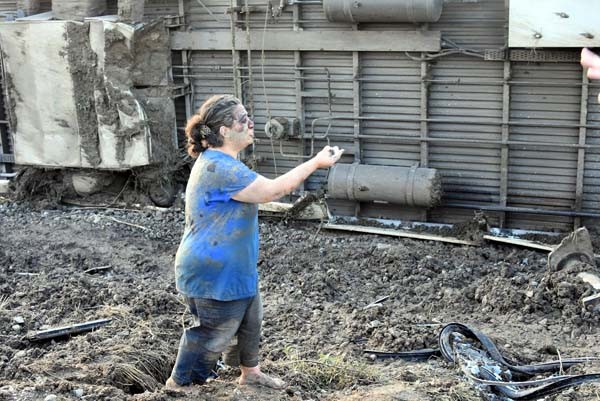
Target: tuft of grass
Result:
[137, 372]
[4, 299]
[327, 371]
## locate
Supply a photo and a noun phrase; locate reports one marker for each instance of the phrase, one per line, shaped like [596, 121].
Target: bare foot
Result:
[171, 385]
[262, 380]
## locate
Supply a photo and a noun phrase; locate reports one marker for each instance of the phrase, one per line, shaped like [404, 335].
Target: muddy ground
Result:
[64, 265]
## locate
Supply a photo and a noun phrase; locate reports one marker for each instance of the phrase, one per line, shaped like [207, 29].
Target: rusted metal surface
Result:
[353, 11]
[309, 41]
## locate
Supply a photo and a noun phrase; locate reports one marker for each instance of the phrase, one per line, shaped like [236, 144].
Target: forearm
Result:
[287, 182]
[265, 190]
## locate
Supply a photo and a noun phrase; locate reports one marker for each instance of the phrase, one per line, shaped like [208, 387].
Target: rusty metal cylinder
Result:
[77, 10]
[410, 186]
[383, 10]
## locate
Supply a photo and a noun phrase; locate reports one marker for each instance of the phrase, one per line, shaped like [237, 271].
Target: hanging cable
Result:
[211, 13]
[264, 85]
[233, 53]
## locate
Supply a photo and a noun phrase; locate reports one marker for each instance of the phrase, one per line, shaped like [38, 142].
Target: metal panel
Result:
[591, 179]
[471, 171]
[470, 25]
[391, 89]
[544, 176]
[157, 8]
[554, 23]
[8, 5]
[453, 120]
[212, 16]
[210, 75]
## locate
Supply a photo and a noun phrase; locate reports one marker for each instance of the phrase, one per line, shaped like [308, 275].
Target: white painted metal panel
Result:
[46, 135]
[554, 23]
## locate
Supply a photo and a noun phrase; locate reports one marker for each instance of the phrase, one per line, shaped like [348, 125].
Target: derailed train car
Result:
[443, 107]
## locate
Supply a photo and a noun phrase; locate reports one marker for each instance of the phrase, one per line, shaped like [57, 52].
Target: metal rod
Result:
[458, 81]
[415, 82]
[512, 209]
[250, 81]
[234, 54]
[417, 139]
[505, 138]
[449, 121]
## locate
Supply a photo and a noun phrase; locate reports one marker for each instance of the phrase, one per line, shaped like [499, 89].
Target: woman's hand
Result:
[266, 190]
[328, 156]
[591, 61]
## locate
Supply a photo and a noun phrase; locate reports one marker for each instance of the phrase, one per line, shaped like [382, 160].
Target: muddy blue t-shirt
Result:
[218, 253]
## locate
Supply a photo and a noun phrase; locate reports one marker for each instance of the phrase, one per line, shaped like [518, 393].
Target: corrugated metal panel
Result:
[158, 8]
[464, 102]
[466, 93]
[591, 180]
[212, 75]
[390, 89]
[544, 177]
[213, 17]
[8, 5]
[473, 25]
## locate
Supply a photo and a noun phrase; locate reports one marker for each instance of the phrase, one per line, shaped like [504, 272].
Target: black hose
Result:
[449, 338]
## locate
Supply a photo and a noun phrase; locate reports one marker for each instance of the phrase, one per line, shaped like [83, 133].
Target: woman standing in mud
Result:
[216, 263]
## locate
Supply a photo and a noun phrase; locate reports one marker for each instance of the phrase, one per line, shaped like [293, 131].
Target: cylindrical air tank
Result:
[410, 186]
[383, 10]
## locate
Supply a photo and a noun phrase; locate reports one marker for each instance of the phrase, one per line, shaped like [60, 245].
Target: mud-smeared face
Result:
[241, 133]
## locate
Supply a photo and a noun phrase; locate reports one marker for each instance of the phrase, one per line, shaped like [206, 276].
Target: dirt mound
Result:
[327, 297]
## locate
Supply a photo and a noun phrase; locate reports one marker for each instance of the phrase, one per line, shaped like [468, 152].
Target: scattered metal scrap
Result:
[486, 368]
[67, 330]
[574, 248]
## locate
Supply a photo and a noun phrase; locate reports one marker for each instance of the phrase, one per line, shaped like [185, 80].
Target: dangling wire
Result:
[210, 12]
[264, 85]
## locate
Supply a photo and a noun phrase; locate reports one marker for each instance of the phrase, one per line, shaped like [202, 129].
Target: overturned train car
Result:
[443, 107]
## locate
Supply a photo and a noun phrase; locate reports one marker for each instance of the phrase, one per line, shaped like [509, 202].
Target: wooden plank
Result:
[378, 41]
[311, 212]
[4, 186]
[520, 242]
[554, 23]
[397, 233]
